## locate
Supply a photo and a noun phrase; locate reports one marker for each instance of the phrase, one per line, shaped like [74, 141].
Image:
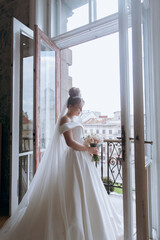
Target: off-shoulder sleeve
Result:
[68, 126]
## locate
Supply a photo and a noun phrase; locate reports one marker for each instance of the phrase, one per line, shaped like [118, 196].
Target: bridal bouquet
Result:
[93, 140]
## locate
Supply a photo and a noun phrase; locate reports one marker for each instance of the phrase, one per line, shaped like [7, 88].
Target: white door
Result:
[22, 37]
[34, 104]
[138, 37]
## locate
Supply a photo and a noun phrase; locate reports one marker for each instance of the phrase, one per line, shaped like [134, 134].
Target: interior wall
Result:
[8, 9]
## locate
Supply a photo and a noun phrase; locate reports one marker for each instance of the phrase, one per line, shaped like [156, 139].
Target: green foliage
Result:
[111, 188]
[118, 190]
[105, 181]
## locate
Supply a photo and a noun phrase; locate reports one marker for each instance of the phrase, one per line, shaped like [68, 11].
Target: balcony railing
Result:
[111, 164]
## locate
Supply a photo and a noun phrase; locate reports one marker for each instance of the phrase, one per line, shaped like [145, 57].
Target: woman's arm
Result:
[74, 144]
[77, 146]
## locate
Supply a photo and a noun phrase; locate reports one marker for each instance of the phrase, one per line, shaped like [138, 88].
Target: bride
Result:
[66, 199]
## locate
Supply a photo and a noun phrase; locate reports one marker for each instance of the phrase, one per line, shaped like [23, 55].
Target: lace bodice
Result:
[76, 127]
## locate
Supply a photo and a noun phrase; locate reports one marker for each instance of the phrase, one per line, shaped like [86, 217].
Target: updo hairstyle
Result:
[74, 97]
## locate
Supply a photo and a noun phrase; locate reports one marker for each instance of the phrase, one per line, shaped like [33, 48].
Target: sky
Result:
[95, 64]
[95, 70]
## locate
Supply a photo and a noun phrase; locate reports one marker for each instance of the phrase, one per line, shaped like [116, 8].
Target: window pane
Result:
[110, 131]
[26, 95]
[25, 115]
[72, 14]
[75, 14]
[106, 8]
[23, 166]
[47, 94]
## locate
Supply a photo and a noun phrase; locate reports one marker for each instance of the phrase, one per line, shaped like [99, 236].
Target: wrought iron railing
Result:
[111, 164]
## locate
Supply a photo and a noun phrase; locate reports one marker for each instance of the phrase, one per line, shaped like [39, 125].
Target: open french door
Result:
[136, 144]
[35, 104]
[46, 91]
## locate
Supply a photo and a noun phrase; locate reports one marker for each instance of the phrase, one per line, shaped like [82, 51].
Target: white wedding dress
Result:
[66, 200]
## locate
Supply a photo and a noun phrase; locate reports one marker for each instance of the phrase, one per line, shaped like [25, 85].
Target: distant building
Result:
[108, 128]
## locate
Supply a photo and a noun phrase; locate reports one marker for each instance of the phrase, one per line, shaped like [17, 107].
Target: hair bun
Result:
[73, 92]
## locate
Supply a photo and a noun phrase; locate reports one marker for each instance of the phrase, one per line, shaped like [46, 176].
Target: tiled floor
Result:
[116, 199]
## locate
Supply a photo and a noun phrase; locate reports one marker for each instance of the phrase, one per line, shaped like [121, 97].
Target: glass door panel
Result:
[106, 7]
[47, 69]
[26, 95]
[47, 94]
[25, 114]
[76, 14]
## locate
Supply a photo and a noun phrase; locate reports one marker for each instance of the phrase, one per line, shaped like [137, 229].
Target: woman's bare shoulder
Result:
[64, 119]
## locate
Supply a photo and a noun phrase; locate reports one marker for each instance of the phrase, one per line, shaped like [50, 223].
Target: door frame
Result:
[125, 119]
[17, 28]
[140, 171]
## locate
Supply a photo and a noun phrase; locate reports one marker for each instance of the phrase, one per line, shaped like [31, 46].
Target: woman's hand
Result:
[92, 150]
